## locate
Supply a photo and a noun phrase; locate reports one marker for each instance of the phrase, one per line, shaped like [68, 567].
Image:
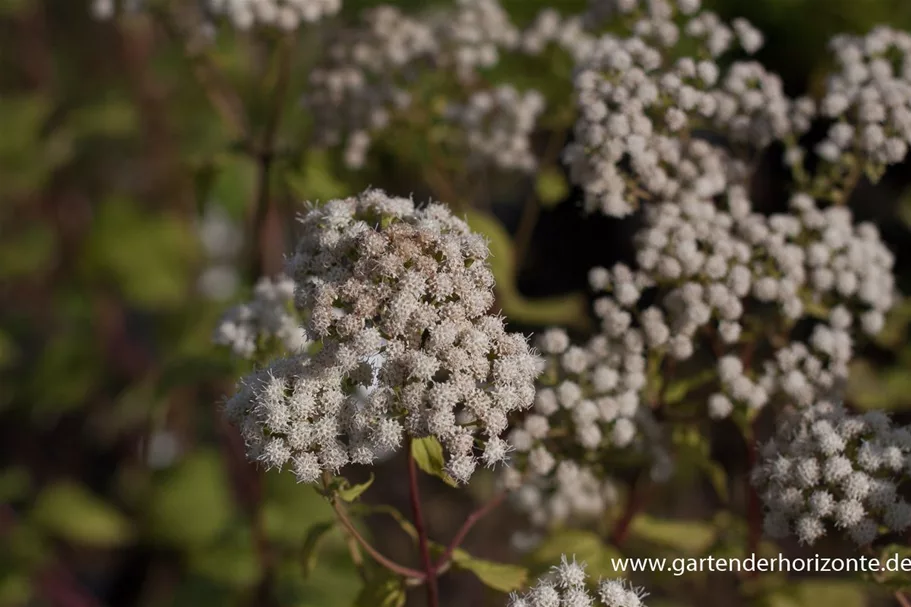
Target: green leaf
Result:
[870, 388]
[191, 505]
[677, 390]
[27, 252]
[290, 509]
[398, 517]
[111, 117]
[147, 255]
[310, 549]
[829, 592]
[69, 511]
[895, 558]
[693, 454]
[499, 576]
[584, 545]
[428, 455]
[234, 183]
[73, 359]
[383, 592]
[895, 332]
[232, 560]
[690, 537]
[315, 181]
[567, 311]
[904, 210]
[16, 586]
[11, 7]
[349, 494]
[551, 187]
[28, 155]
[9, 351]
[15, 484]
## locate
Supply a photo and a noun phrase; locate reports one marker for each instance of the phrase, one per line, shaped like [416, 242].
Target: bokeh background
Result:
[129, 222]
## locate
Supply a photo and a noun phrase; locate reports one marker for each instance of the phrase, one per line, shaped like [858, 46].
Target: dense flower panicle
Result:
[709, 266]
[398, 298]
[566, 585]
[869, 98]
[497, 126]
[830, 469]
[269, 315]
[639, 111]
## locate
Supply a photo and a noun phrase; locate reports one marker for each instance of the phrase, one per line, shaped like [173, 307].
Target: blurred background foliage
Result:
[119, 482]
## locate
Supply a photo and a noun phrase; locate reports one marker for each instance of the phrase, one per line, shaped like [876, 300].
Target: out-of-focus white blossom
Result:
[269, 315]
[222, 241]
[830, 469]
[497, 126]
[285, 15]
[588, 407]
[869, 98]
[640, 113]
[363, 81]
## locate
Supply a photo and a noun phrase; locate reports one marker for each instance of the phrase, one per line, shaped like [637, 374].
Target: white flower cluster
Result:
[589, 405]
[869, 98]
[364, 77]
[497, 126]
[828, 468]
[473, 35]
[573, 493]
[550, 27]
[283, 14]
[566, 586]
[709, 266]
[637, 132]
[398, 298]
[270, 315]
[286, 15]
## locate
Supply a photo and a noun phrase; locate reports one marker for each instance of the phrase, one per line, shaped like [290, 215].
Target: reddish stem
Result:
[373, 552]
[635, 502]
[433, 596]
[754, 506]
[470, 522]
[902, 599]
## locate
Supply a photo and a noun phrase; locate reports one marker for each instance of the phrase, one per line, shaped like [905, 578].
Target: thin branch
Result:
[754, 506]
[223, 98]
[392, 566]
[470, 522]
[902, 599]
[267, 252]
[531, 209]
[433, 595]
[356, 557]
[635, 502]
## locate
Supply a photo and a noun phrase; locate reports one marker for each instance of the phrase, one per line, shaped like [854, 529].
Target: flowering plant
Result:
[713, 354]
